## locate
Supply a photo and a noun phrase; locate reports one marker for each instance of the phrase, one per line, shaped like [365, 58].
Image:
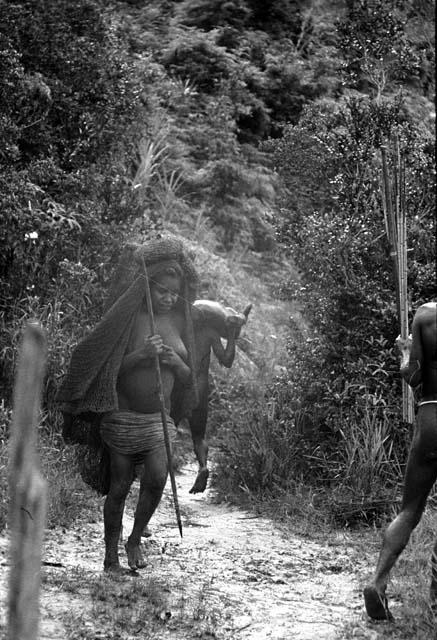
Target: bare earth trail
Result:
[232, 575]
[260, 583]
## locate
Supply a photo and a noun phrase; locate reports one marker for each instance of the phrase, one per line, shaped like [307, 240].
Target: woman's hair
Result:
[174, 271]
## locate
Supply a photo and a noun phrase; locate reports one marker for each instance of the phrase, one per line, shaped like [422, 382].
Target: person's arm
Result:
[234, 323]
[411, 355]
[152, 345]
[170, 358]
[225, 355]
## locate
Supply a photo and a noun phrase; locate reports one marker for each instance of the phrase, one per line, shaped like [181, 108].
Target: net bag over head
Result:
[157, 255]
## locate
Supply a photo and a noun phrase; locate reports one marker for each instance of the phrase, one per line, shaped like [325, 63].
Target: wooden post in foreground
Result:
[27, 490]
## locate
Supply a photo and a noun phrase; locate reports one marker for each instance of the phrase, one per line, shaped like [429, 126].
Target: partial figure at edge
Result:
[418, 367]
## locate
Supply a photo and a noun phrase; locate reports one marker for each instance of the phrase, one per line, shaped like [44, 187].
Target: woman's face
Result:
[164, 293]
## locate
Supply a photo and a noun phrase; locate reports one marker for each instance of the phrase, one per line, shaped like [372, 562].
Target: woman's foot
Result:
[135, 557]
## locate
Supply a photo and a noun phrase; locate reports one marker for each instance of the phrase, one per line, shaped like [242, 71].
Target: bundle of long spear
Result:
[394, 207]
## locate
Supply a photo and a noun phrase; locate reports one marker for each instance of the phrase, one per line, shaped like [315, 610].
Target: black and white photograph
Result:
[218, 320]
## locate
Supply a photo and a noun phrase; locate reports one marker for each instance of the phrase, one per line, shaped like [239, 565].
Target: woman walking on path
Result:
[112, 375]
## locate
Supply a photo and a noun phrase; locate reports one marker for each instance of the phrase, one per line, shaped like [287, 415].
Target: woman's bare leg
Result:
[152, 483]
[121, 480]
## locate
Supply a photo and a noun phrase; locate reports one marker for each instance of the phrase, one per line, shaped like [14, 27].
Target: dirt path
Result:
[233, 575]
[262, 583]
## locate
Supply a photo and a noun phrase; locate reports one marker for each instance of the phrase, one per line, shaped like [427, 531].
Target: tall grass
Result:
[68, 497]
[270, 451]
[370, 469]
[64, 319]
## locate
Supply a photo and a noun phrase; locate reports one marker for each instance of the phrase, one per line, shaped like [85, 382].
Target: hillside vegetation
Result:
[252, 129]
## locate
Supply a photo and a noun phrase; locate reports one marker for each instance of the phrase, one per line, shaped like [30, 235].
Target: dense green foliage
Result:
[336, 418]
[69, 103]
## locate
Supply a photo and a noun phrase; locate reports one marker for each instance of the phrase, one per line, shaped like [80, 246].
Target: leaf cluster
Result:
[375, 45]
[68, 94]
[347, 367]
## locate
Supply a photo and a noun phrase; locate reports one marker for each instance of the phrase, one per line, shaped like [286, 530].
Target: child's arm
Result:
[225, 355]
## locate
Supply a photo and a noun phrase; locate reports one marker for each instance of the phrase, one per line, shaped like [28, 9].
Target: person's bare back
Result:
[425, 323]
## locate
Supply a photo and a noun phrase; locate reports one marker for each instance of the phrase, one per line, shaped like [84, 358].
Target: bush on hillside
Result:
[210, 14]
[341, 393]
[238, 202]
[346, 273]
[67, 96]
[375, 45]
[282, 18]
[70, 59]
[197, 59]
[286, 93]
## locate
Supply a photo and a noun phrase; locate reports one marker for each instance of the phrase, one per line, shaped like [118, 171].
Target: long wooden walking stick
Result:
[161, 402]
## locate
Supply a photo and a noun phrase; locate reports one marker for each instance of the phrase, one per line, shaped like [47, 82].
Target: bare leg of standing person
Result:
[420, 476]
[121, 480]
[198, 421]
[152, 483]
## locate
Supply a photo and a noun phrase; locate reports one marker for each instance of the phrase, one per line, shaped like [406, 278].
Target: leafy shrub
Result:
[199, 60]
[67, 94]
[72, 64]
[279, 17]
[209, 14]
[340, 396]
[375, 45]
[286, 93]
[238, 199]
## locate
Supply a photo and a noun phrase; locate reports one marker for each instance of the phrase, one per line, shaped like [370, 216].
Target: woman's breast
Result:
[171, 337]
